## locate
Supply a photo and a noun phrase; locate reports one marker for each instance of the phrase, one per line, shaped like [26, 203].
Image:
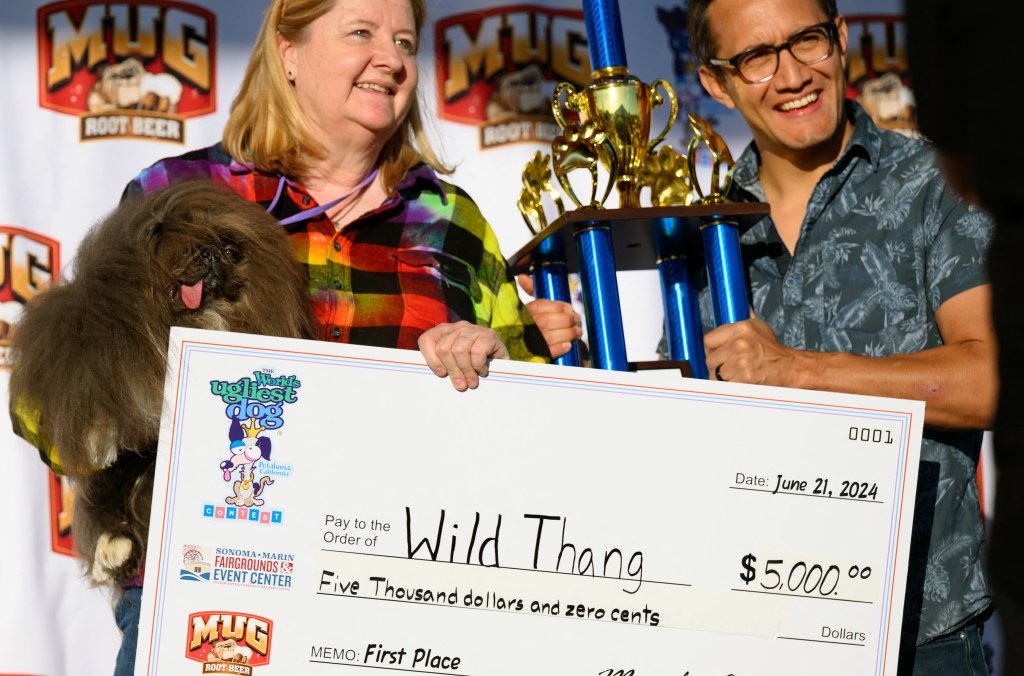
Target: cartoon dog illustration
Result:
[228, 650]
[247, 449]
[247, 490]
[128, 86]
[519, 93]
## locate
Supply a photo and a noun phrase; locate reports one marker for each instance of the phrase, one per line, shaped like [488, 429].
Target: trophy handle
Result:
[570, 102]
[691, 161]
[563, 180]
[607, 151]
[720, 156]
[673, 112]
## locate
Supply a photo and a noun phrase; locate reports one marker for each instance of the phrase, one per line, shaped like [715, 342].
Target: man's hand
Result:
[557, 321]
[461, 351]
[748, 352]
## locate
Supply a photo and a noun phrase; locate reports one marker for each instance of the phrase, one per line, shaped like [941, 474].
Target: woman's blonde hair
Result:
[267, 129]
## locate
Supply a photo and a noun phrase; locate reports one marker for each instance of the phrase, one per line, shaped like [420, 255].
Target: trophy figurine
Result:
[720, 235]
[549, 269]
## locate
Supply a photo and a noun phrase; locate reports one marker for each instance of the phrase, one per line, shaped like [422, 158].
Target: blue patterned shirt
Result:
[883, 244]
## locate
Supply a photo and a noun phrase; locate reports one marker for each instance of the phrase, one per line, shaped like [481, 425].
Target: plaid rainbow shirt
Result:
[424, 257]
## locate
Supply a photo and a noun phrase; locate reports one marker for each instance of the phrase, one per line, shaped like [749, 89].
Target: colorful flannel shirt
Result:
[424, 257]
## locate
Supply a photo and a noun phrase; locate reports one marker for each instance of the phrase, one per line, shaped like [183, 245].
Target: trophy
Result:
[611, 129]
[616, 104]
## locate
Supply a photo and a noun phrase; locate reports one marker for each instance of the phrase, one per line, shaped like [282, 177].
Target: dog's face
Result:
[120, 83]
[204, 270]
[213, 265]
[225, 650]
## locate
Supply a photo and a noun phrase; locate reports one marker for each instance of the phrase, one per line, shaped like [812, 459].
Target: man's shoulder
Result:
[902, 144]
[899, 146]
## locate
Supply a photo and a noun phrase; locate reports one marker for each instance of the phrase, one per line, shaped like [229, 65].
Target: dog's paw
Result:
[111, 553]
[101, 445]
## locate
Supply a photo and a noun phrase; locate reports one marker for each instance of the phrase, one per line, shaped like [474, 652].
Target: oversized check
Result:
[337, 509]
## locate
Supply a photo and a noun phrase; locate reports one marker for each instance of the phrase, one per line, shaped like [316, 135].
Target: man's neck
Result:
[784, 169]
[789, 179]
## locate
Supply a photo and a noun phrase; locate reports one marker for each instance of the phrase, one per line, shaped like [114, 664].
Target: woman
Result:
[326, 133]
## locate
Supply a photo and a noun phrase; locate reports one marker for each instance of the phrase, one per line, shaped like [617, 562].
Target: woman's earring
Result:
[291, 75]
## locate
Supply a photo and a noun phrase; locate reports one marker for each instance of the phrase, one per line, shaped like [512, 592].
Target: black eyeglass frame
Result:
[831, 32]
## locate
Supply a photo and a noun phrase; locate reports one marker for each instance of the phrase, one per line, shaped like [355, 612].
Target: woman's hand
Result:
[557, 321]
[461, 351]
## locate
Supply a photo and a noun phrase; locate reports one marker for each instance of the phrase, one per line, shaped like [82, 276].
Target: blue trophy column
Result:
[551, 281]
[601, 296]
[682, 315]
[604, 33]
[725, 270]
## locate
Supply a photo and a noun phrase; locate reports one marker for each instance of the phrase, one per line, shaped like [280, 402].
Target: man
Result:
[867, 277]
[955, 50]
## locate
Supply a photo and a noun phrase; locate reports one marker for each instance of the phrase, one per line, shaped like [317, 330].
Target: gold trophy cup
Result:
[620, 106]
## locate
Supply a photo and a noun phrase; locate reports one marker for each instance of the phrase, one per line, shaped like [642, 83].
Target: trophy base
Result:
[662, 365]
[632, 235]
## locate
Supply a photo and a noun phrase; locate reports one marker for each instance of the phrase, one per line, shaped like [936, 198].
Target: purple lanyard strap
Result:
[316, 211]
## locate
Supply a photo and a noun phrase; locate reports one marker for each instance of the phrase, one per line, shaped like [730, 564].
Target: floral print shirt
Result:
[883, 244]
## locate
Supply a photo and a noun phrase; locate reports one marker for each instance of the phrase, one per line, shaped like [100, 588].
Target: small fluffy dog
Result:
[90, 355]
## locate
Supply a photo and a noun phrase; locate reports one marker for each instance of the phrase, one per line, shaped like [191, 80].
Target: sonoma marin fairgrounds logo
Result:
[130, 69]
[237, 566]
[254, 406]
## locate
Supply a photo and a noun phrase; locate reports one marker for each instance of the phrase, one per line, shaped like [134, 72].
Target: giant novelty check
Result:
[337, 509]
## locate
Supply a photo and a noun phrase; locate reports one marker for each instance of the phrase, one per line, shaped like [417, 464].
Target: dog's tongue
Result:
[192, 295]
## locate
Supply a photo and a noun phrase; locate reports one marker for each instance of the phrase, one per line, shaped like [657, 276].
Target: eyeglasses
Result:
[808, 46]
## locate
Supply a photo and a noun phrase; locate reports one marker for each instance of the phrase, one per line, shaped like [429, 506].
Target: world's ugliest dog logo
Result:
[127, 69]
[254, 406]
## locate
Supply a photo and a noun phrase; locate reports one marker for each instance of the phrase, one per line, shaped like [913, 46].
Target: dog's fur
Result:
[91, 355]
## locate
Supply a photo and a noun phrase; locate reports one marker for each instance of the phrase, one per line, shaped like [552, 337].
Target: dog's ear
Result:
[263, 443]
[235, 430]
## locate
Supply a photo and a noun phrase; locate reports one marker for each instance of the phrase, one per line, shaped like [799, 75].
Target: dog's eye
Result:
[232, 254]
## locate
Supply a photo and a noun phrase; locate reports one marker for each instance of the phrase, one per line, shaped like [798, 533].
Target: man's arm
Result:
[957, 381]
